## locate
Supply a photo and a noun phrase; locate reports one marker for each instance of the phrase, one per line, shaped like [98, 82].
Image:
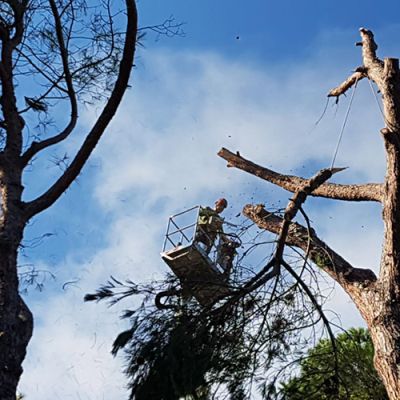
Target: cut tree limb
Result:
[296, 202]
[320, 253]
[347, 84]
[272, 269]
[366, 192]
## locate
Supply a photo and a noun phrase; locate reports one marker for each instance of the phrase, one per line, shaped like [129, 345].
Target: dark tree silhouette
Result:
[54, 53]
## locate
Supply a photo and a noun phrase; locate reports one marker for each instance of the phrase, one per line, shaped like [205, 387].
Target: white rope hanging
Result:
[346, 117]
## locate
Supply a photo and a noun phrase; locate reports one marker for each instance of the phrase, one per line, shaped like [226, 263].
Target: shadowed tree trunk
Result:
[376, 297]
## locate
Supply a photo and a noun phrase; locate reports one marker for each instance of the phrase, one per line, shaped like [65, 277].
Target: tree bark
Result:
[16, 323]
[380, 304]
[385, 334]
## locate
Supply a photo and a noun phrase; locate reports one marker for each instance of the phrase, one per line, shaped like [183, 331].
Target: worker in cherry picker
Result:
[209, 224]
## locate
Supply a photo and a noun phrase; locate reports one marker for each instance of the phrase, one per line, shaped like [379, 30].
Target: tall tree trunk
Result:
[385, 335]
[380, 310]
[16, 322]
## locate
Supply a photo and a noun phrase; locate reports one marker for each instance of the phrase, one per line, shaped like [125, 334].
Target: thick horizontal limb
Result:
[294, 205]
[319, 252]
[367, 192]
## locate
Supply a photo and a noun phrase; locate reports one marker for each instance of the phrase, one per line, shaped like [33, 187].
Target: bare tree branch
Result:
[54, 192]
[54, 81]
[320, 253]
[272, 268]
[170, 27]
[326, 321]
[366, 192]
[305, 238]
[296, 202]
[8, 100]
[348, 83]
[38, 146]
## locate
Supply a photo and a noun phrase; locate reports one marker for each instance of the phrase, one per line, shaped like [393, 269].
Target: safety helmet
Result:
[222, 202]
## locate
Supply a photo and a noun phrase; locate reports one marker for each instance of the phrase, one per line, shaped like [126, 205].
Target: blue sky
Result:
[261, 94]
[268, 31]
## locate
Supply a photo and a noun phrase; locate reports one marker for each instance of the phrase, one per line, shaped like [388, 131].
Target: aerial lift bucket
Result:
[198, 272]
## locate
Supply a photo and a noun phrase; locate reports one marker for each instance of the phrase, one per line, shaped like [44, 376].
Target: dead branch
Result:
[296, 202]
[372, 66]
[319, 252]
[272, 269]
[366, 192]
[369, 47]
[347, 84]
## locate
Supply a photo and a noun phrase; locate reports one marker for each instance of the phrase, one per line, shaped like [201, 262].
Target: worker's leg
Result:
[203, 238]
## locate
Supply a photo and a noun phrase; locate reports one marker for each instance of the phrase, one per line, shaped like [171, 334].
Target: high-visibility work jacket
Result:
[210, 222]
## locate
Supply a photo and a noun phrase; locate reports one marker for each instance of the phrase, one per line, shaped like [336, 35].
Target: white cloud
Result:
[72, 340]
[160, 156]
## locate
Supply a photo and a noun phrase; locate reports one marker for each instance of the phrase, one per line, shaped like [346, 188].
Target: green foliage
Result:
[243, 344]
[229, 351]
[177, 352]
[357, 377]
[173, 357]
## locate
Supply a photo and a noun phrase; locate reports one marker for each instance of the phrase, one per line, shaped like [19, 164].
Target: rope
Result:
[377, 100]
[323, 112]
[321, 116]
[344, 124]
